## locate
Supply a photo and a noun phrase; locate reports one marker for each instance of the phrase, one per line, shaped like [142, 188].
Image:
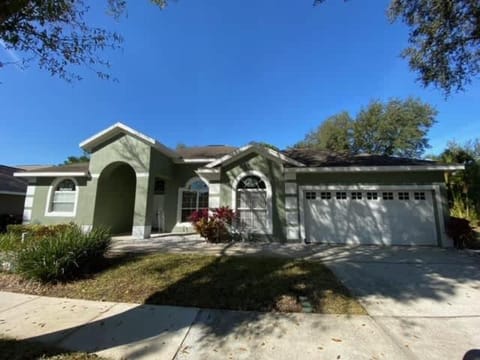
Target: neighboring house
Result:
[134, 184]
[12, 192]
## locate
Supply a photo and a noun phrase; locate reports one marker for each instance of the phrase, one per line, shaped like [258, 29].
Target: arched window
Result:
[63, 198]
[193, 197]
[252, 204]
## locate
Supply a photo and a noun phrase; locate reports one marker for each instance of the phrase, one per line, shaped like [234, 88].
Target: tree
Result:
[77, 159]
[334, 134]
[444, 40]
[396, 128]
[463, 186]
[264, 144]
[55, 34]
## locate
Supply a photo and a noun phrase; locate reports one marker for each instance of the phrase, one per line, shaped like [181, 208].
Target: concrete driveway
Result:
[425, 298]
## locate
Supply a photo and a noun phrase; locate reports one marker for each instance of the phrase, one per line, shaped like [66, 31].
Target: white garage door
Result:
[400, 217]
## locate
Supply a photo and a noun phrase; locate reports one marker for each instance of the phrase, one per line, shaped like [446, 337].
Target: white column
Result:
[28, 205]
[292, 229]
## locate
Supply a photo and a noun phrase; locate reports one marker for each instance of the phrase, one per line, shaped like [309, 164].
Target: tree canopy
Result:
[395, 128]
[444, 37]
[56, 34]
[77, 159]
[444, 40]
[463, 186]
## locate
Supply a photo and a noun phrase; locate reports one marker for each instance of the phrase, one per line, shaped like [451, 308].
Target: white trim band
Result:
[389, 168]
[50, 174]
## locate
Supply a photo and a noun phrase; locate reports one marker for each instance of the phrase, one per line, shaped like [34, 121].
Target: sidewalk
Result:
[129, 331]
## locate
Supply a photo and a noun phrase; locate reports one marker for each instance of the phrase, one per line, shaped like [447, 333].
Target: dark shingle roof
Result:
[9, 183]
[77, 167]
[320, 158]
[205, 152]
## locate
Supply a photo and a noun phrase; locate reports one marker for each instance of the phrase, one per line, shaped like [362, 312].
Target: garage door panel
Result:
[396, 218]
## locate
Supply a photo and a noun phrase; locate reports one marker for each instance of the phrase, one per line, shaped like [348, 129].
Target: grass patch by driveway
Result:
[24, 350]
[227, 282]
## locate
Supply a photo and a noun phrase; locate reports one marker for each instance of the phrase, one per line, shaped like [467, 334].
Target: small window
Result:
[356, 195]
[387, 196]
[159, 188]
[311, 195]
[341, 195]
[372, 195]
[402, 195]
[419, 195]
[325, 195]
[63, 198]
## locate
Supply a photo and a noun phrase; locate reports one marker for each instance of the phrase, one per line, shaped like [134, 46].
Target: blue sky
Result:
[225, 72]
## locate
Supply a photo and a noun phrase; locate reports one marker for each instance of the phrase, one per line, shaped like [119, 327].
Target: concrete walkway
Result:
[129, 331]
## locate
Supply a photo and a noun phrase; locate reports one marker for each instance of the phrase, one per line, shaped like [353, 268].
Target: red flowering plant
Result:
[214, 226]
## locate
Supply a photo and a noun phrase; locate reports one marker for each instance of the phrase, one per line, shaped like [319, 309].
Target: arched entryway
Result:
[115, 200]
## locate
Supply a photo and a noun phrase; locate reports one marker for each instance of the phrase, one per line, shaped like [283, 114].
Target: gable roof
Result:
[119, 128]
[10, 184]
[262, 150]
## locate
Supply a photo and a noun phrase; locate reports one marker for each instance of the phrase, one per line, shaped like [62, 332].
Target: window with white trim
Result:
[403, 195]
[325, 195]
[310, 195]
[387, 195]
[419, 195]
[371, 195]
[63, 197]
[356, 195]
[193, 197]
[251, 203]
[341, 195]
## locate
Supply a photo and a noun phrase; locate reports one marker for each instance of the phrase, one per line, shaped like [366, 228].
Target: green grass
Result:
[24, 350]
[228, 282]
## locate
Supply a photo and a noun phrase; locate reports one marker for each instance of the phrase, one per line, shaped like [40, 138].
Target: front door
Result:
[158, 213]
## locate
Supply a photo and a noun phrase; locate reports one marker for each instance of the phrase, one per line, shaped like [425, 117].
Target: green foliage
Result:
[464, 209]
[10, 242]
[396, 128]
[461, 232]
[464, 186]
[334, 134]
[444, 39]
[56, 34]
[37, 231]
[65, 255]
[77, 159]
[264, 144]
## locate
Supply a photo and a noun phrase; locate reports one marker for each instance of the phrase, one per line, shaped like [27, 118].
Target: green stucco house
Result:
[135, 185]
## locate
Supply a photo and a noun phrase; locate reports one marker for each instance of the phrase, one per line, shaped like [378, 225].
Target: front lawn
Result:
[227, 282]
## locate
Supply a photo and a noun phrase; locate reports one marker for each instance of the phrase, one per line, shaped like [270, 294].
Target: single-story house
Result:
[12, 193]
[134, 184]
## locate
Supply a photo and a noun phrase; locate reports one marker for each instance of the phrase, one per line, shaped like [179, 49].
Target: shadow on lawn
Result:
[261, 285]
[241, 283]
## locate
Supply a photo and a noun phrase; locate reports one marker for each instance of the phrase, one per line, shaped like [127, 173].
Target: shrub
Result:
[214, 227]
[8, 219]
[63, 255]
[460, 231]
[38, 231]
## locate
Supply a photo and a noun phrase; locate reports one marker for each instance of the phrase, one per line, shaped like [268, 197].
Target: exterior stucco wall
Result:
[40, 200]
[274, 172]
[12, 204]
